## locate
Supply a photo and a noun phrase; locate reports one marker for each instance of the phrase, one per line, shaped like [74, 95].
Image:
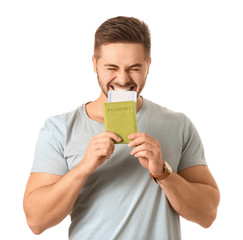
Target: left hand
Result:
[148, 151]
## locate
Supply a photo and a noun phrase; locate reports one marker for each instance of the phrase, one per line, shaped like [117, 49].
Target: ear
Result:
[94, 63]
[149, 62]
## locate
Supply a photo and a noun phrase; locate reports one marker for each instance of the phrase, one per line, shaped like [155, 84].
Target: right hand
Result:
[99, 149]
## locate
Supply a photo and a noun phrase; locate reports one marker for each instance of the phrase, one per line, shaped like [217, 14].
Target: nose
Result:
[123, 77]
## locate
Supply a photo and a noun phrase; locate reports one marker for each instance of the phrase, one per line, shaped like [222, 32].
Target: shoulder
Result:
[62, 122]
[159, 112]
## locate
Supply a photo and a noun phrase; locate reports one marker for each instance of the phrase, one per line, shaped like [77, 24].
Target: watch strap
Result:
[162, 176]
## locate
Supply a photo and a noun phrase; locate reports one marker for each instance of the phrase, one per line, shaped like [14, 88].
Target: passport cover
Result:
[120, 118]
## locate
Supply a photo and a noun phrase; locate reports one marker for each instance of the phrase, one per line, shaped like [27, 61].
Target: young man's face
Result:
[121, 67]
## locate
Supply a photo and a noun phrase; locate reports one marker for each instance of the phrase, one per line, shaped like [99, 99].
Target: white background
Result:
[197, 68]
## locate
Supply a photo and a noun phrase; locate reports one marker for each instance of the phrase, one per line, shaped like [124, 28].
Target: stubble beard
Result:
[101, 85]
[104, 89]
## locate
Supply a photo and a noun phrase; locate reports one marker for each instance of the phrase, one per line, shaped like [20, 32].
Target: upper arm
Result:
[49, 152]
[198, 174]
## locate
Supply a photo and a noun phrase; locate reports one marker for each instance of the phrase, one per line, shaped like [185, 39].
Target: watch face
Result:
[168, 167]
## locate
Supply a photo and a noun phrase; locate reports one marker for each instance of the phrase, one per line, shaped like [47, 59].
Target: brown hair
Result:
[123, 30]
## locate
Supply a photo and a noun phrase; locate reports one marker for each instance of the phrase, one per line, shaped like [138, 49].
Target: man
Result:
[108, 188]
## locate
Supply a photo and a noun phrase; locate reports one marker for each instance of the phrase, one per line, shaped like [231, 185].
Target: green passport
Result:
[121, 119]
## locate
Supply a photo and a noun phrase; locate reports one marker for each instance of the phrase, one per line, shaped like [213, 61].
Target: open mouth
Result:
[113, 88]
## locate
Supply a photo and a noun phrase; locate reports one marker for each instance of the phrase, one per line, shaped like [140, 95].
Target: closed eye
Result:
[135, 67]
[111, 67]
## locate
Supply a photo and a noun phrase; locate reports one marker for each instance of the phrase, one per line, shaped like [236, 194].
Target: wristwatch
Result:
[167, 171]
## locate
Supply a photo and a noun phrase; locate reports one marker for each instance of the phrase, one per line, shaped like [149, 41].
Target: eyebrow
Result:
[135, 65]
[111, 65]
[132, 66]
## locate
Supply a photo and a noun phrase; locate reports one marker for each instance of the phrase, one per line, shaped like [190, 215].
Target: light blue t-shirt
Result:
[120, 200]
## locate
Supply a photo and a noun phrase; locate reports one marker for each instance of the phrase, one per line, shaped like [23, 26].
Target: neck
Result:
[95, 109]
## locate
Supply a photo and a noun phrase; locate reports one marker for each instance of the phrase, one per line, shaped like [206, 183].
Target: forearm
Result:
[196, 202]
[48, 205]
[50, 198]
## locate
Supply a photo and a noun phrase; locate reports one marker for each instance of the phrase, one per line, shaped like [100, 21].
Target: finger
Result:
[142, 147]
[143, 161]
[136, 142]
[104, 152]
[113, 136]
[136, 135]
[105, 145]
[144, 154]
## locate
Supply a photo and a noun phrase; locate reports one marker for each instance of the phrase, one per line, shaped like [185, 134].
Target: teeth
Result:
[123, 89]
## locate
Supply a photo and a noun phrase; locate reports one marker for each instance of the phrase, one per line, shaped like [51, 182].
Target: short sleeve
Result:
[49, 152]
[192, 148]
